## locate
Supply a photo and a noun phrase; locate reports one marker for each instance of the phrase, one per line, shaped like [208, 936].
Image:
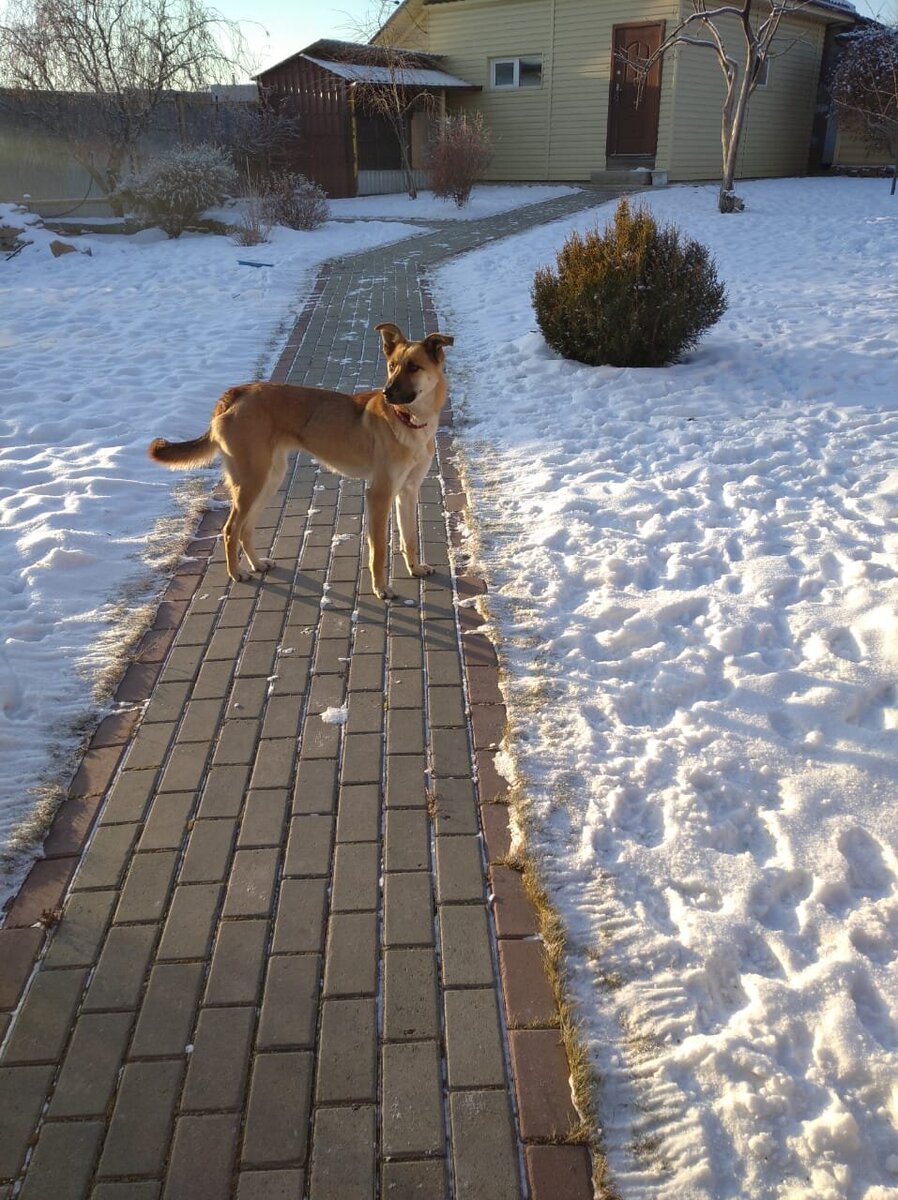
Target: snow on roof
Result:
[404, 76]
[844, 6]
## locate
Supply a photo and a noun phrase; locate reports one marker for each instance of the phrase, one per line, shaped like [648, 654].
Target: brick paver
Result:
[276, 970]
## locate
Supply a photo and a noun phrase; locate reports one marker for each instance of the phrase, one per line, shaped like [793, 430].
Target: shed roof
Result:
[403, 76]
[329, 53]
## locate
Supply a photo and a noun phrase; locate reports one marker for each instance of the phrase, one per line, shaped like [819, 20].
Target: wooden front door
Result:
[633, 117]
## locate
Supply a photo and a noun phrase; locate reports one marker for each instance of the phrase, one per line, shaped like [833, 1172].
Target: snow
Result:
[486, 200]
[335, 716]
[98, 355]
[693, 580]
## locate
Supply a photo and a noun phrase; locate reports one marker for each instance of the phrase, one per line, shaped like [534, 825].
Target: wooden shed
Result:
[347, 149]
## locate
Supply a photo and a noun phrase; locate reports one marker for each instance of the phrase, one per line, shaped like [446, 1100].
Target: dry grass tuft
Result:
[48, 795]
[431, 798]
[583, 1080]
[132, 613]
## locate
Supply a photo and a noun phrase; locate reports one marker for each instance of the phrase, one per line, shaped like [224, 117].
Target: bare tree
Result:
[707, 27]
[864, 88]
[256, 135]
[94, 73]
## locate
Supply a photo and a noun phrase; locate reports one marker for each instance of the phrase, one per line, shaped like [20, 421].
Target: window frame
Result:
[515, 61]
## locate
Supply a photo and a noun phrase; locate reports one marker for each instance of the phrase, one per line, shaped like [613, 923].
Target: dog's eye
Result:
[413, 368]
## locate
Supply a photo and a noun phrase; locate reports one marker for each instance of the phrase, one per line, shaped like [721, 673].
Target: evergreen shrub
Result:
[638, 294]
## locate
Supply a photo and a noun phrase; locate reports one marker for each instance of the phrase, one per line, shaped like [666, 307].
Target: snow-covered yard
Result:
[695, 577]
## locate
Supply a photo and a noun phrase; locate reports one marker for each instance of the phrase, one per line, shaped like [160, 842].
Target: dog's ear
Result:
[434, 343]
[391, 336]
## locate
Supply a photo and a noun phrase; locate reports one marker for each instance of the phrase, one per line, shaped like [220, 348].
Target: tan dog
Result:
[385, 437]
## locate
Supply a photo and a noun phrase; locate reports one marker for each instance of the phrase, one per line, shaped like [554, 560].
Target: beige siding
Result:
[407, 27]
[852, 151]
[472, 32]
[778, 128]
[557, 131]
[582, 78]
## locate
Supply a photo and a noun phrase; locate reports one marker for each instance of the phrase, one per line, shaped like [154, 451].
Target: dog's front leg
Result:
[407, 517]
[377, 502]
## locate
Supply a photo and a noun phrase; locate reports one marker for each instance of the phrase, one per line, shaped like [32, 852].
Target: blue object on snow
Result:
[244, 262]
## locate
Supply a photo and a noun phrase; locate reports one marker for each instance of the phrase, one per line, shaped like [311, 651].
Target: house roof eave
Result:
[834, 12]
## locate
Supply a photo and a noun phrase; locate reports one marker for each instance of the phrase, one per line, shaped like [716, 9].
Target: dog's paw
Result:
[422, 569]
[241, 576]
[385, 593]
[263, 564]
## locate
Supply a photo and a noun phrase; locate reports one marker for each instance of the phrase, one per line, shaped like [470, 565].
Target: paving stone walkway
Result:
[273, 972]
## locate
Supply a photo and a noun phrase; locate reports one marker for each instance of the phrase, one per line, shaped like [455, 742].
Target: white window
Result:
[524, 72]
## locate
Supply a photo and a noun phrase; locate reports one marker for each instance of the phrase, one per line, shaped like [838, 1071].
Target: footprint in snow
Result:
[876, 710]
[873, 1012]
[832, 568]
[634, 816]
[733, 548]
[844, 644]
[785, 725]
[777, 895]
[868, 872]
[867, 875]
[874, 933]
[698, 894]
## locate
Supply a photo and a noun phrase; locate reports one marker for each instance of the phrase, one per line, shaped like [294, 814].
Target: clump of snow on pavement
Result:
[335, 716]
[98, 355]
[486, 201]
[695, 572]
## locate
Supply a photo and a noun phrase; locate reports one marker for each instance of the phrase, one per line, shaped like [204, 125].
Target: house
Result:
[346, 145]
[562, 104]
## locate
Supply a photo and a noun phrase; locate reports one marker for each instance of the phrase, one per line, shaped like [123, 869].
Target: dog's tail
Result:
[184, 454]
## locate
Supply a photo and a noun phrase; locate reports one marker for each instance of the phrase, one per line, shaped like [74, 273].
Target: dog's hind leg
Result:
[231, 544]
[247, 536]
[246, 487]
[378, 501]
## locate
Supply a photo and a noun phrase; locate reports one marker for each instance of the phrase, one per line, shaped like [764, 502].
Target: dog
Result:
[385, 437]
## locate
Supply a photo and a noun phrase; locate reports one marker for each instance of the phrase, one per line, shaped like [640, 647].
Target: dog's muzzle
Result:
[397, 398]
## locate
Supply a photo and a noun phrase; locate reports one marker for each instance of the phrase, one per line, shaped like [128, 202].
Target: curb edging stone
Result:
[539, 1064]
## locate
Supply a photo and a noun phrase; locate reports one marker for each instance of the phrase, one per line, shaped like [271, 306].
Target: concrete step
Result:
[640, 177]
